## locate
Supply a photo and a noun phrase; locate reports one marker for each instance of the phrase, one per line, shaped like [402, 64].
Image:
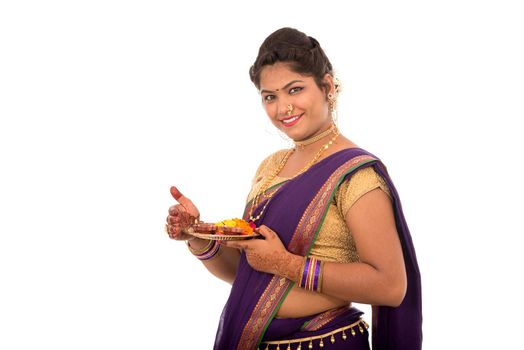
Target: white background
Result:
[106, 104]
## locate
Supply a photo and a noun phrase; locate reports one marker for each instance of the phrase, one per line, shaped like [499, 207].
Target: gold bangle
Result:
[201, 250]
[320, 277]
[210, 251]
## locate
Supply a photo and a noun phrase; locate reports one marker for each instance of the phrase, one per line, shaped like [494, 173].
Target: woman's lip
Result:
[287, 125]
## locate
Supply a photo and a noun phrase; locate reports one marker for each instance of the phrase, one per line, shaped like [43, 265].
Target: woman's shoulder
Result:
[354, 151]
[358, 155]
[365, 175]
[361, 182]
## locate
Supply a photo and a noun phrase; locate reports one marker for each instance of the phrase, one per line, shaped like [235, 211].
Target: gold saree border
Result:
[300, 243]
[309, 224]
[263, 312]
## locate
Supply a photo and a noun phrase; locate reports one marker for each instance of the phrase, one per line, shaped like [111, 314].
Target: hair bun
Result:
[303, 53]
[314, 43]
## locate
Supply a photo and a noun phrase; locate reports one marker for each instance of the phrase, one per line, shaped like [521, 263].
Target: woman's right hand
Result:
[181, 216]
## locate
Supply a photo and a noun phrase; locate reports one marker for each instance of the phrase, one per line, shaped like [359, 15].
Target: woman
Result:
[331, 221]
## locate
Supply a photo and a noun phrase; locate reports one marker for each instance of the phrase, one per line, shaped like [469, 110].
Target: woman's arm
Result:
[181, 216]
[224, 265]
[380, 277]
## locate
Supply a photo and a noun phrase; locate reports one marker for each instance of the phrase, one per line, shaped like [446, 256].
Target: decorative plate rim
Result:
[221, 237]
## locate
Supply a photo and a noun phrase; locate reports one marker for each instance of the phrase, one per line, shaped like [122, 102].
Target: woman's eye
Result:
[269, 98]
[295, 90]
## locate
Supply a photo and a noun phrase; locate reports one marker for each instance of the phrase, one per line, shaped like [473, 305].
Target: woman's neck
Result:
[313, 142]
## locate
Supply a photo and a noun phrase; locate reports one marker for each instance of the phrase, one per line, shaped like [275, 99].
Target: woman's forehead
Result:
[274, 77]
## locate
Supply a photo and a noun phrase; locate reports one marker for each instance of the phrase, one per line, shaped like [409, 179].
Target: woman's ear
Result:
[329, 84]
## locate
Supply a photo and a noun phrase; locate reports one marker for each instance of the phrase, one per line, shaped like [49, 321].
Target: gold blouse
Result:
[334, 241]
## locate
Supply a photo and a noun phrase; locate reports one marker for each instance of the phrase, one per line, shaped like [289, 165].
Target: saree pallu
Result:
[336, 329]
[295, 212]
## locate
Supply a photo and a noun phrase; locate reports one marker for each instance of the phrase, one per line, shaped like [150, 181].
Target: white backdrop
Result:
[106, 104]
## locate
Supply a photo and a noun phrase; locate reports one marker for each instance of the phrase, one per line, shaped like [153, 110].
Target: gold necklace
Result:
[263, 188]
[319, 153]
[302, 144]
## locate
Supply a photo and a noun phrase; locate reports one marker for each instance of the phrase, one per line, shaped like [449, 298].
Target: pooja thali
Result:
[220, 236]
[220, 233]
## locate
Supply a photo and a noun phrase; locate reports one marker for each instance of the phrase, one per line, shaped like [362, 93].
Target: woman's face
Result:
[281, 87]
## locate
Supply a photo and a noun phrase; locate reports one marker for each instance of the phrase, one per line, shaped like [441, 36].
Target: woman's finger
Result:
[169, 231]
[186, 202]
[175, 193]
[266, 232]
[174, 231]
[175, 210]
[235, 244]
[176, 228]
[173, 219]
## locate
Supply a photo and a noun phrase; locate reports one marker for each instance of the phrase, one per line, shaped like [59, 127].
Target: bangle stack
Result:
[206, 253]
[311, 278]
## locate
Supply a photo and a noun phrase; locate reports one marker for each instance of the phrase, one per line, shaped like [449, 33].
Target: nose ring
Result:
[290, 109]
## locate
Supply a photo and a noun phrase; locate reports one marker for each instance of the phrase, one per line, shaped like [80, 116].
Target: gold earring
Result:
[337, 85]
[290, 109]
[331, 101]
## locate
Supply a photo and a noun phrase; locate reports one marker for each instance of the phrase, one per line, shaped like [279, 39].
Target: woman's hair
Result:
[303, 54]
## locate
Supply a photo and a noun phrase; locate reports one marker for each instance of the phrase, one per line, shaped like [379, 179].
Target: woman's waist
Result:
[302, 303]
[338, 320]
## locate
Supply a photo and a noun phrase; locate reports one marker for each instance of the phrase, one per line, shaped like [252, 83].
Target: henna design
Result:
[175, 193]
[285, 265]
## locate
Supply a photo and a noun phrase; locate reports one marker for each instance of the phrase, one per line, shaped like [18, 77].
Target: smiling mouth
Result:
[291, 120]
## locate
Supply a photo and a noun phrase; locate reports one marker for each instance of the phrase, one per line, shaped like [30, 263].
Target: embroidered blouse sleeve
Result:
[363, 181]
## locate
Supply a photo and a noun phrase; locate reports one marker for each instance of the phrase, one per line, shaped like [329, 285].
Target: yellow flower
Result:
[247, 229]
[230, 223]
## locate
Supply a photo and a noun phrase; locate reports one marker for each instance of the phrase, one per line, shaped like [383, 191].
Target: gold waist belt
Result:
[318, 339]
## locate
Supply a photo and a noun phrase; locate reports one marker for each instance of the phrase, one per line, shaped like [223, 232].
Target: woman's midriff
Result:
[300, 303]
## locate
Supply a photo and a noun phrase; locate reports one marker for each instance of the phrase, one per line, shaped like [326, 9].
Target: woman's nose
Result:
[285, 108]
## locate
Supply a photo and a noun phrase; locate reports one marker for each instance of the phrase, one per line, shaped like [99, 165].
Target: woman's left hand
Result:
[269, 254]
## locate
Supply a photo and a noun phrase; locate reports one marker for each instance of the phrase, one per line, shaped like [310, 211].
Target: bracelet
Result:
[206, 253]
[199, 250]
[311, 278]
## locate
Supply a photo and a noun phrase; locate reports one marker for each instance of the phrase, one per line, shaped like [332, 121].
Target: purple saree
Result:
[296, 212]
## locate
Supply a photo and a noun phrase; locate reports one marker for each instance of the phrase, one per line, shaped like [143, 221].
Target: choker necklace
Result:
[302, 144]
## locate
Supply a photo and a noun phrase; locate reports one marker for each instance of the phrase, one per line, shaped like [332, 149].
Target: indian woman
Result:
[332, 230]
